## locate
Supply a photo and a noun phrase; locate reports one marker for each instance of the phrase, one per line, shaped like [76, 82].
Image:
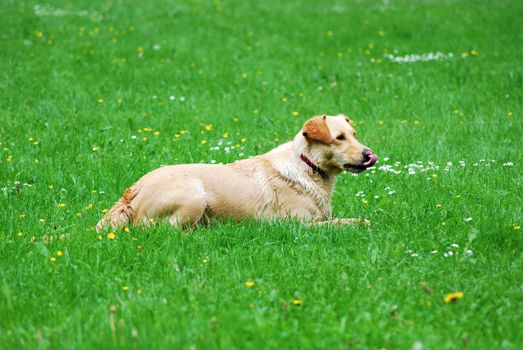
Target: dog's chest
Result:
[291, 199]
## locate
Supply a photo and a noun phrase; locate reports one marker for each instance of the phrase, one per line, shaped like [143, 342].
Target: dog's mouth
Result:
[358, 168]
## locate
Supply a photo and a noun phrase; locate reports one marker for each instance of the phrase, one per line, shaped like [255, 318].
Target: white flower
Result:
[434, 252]
[172, 98]
[508, 164]
[469, 219]
[454, 245]
[469, 252]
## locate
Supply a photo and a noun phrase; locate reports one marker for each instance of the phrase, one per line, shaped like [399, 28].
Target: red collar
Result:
[314, 167]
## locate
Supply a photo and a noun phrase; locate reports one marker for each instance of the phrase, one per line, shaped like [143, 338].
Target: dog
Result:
[294, 180]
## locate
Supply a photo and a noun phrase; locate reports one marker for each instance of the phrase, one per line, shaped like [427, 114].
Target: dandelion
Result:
[59, 253]
[509, 114]
[61, 205]
[417, 122]
[19, 234]
[205, 261]
[111, 235]
[42, 220]
[9, 158]
[52, 259]
[100, 101]
[203, 142]
[381, 122]
[89, 206]
[453, 297]
[126, 229]
[297, 302]
[100, 237]
[125, 288]
[516, 227]
[249, 284]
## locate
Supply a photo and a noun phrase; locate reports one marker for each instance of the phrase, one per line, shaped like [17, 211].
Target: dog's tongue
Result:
[372, 160]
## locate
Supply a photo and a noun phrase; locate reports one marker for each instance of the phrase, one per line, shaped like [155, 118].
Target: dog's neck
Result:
[314, 167]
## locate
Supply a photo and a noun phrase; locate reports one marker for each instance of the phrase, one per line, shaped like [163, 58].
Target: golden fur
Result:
[294, 180]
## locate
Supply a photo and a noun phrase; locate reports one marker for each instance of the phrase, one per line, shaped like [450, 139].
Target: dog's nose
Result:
[369, 158]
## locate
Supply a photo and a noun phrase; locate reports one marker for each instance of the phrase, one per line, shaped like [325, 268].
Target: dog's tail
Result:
[121, 214]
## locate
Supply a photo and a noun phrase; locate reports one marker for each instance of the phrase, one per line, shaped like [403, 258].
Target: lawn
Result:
[95, 94]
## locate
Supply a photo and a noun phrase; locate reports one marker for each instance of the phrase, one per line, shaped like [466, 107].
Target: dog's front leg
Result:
[343, 222]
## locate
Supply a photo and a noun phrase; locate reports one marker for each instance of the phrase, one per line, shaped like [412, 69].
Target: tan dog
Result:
[294, 180]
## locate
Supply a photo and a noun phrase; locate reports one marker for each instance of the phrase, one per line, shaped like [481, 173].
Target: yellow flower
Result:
[203, 142]
[416, 122]
[9, 158]
[208, 127]
[249, 284]
[42, 220]
[381, 122]
[59, 253]
[157, 133]
[296, 302]
[111, 235]
[52, 259]
[517, 227]
[89, 206]
[452, 297]
[19, 234]
[125, 288]
[509, 114]
[61, 205]
[205, 261]
[439, 205]
[126, 229]
[100, 237]
[295, 114]
[100, 100]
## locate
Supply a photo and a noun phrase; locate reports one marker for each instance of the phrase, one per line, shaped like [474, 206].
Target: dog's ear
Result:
[347, 119]
[316, 129]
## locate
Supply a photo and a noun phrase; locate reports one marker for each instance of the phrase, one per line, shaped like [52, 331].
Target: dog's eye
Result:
[341, 137]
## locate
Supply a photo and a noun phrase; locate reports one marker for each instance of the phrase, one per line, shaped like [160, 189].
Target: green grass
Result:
[76, 88]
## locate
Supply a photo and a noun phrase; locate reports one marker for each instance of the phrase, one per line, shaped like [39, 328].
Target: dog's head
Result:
[332, 143]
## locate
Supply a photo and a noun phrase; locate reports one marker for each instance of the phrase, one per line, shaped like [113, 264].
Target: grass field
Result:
[94, 94]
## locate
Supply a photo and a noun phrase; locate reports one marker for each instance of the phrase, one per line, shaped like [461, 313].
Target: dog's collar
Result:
[314, 167]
